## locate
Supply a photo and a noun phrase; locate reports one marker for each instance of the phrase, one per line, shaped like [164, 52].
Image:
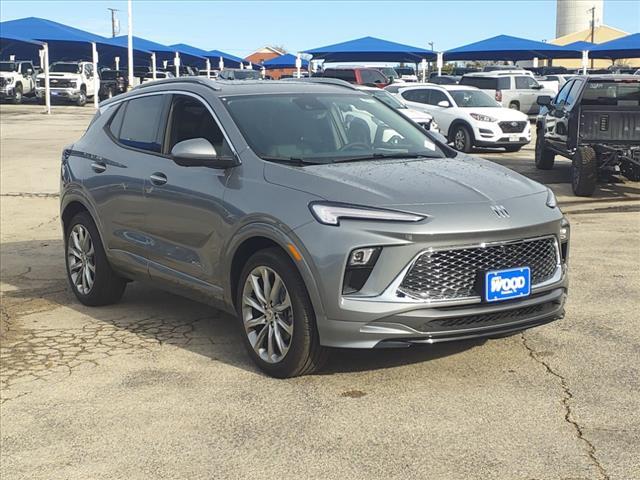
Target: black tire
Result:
[107, 287]
[513, 148]
[514, 106]
[545, 158]
[461, 138]
[17, 95]
[305, 354]
[82, 98]
[584, 171]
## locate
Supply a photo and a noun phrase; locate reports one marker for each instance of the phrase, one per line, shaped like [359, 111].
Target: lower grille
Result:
[454, 274]
[55, 83]
[488, 318]
[512, 127]
[3, 81]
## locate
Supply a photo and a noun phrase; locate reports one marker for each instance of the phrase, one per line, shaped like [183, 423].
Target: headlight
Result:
[9, 80]
[331, 213]
[551, 199]
[483, 118]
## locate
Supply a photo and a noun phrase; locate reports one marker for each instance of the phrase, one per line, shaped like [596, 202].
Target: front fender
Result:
[282, 237]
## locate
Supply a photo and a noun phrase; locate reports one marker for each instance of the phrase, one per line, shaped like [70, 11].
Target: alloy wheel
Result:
[459, 140]
[267, 314]
[81, 259]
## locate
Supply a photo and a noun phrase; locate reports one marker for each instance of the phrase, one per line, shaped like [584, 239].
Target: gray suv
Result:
[317, 214]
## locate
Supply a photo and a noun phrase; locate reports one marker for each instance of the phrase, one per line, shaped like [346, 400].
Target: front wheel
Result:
[544, 157]
[91, 278]
[584, 171]
[82, 98]
[278, 320]
[461, 137]
[17, 95]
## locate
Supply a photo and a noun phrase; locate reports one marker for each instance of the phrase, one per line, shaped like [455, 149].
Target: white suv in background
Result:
[468, 117]
[516, 89]
[421, 117]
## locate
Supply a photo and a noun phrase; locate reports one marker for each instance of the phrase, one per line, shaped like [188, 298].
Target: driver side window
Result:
[561, 97]
[190, 118]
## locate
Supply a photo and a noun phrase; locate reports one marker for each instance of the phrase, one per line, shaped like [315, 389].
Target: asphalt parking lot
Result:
[160, 387]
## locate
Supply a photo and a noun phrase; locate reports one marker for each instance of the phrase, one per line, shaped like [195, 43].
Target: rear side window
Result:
[420, 95]
[342, 74]
[437, 96]
[141, 123]
[116, 121]
[483, 83]
[525, 83]
[372, 76]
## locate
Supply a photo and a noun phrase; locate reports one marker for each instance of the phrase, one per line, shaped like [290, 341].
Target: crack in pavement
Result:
[30, 195]
[568, 416]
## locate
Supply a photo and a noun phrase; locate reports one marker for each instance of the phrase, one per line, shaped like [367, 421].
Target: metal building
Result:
[575, 15]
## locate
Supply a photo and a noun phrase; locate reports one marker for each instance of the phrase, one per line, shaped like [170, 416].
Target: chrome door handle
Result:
[158, 178]
[98, 167]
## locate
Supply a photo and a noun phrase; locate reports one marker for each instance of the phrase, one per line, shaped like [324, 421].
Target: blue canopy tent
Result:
[21, 48]
[580, 46]
[230, 61]
[505, 47]
[625, 47]
[284, 61]
[370, 49]
[163, 52]
[65, 42]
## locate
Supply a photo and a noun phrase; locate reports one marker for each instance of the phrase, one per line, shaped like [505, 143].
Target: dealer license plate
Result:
[506, 284]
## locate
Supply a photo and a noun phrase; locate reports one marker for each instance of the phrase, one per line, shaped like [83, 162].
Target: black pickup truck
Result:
[594, 121]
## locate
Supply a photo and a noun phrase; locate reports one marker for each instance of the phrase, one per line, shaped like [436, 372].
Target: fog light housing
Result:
[359, 266]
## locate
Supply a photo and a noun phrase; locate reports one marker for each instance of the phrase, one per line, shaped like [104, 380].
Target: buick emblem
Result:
[500, 211]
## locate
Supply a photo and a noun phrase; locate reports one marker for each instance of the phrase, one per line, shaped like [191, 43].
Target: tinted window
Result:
[573, 93]
[420, 95]
[372, 76]
[189, 119]
[24, 67]
[562, 94]
[483, 83]
[436, 96]
[116, 121]
[342, 74]
[141, 123]
[525, 83]
[612, 93]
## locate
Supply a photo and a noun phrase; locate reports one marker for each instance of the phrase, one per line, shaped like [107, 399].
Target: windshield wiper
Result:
[290, 160]
[383, 156]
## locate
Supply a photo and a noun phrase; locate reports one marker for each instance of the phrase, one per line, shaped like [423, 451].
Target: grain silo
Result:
[575, 15]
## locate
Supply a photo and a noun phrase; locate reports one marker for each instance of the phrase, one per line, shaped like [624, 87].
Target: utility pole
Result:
[115, 27]
[593, 26]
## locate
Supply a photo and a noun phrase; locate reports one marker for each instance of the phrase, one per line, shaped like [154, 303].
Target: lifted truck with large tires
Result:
[595, 122]
[17, 80]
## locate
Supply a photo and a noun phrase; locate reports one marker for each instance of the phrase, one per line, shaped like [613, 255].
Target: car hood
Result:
[501, 114]
[60, 75]
[407, 183]
[416, 115]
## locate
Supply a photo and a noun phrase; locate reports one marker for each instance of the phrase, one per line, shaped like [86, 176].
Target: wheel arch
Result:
[258, 236]
[458, 122]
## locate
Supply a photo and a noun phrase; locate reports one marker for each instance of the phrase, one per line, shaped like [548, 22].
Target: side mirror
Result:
[544, 100]
[444, 104]
[198, 152]
[29, 71]
[537, 87]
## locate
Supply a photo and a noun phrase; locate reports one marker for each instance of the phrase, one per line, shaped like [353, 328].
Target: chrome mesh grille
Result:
[512, 127]
[454, 274]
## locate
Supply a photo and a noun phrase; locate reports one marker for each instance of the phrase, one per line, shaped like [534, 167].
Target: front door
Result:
[184, 205]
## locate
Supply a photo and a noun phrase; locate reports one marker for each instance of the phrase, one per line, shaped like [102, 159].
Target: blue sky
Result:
[239, 27]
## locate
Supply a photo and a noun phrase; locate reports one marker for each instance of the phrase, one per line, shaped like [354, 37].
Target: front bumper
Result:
[489, 134]
[379, 316]
[64, 93]
[7, 92]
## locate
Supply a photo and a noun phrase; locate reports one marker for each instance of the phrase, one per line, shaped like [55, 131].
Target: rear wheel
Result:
[278, 321]
[461, 138]
[544, 157]
[91, 278]
[584, 171]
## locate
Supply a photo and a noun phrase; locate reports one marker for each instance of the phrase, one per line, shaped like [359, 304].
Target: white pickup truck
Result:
[17, 79]
[72, 81]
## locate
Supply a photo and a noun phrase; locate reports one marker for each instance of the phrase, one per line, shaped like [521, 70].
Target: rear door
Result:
[527, 94]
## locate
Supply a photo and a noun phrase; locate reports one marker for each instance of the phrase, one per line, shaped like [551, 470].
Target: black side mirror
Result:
[537, 87]
[198, 152]
[544, 100]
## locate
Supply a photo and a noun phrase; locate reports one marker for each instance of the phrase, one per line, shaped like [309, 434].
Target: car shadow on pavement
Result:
[39, 307]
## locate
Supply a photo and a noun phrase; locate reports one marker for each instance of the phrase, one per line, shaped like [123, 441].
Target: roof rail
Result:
[165, 81]
[326, 80]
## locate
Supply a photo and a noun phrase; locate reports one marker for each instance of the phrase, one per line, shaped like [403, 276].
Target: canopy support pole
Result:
[585, 61]
[424, 70]
[208, 63]
[439, 61]
[176, 63]
[47, 88]
[96, 76]
[298, 65]
[153, 65]
[221, 64]
[130, 43]
[117, 59]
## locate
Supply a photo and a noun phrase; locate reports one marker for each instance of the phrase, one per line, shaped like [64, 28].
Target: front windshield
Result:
[326, 128]
[65, 68]
[473, 98]
[388, 99]
[7, 67]
[110, 74]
